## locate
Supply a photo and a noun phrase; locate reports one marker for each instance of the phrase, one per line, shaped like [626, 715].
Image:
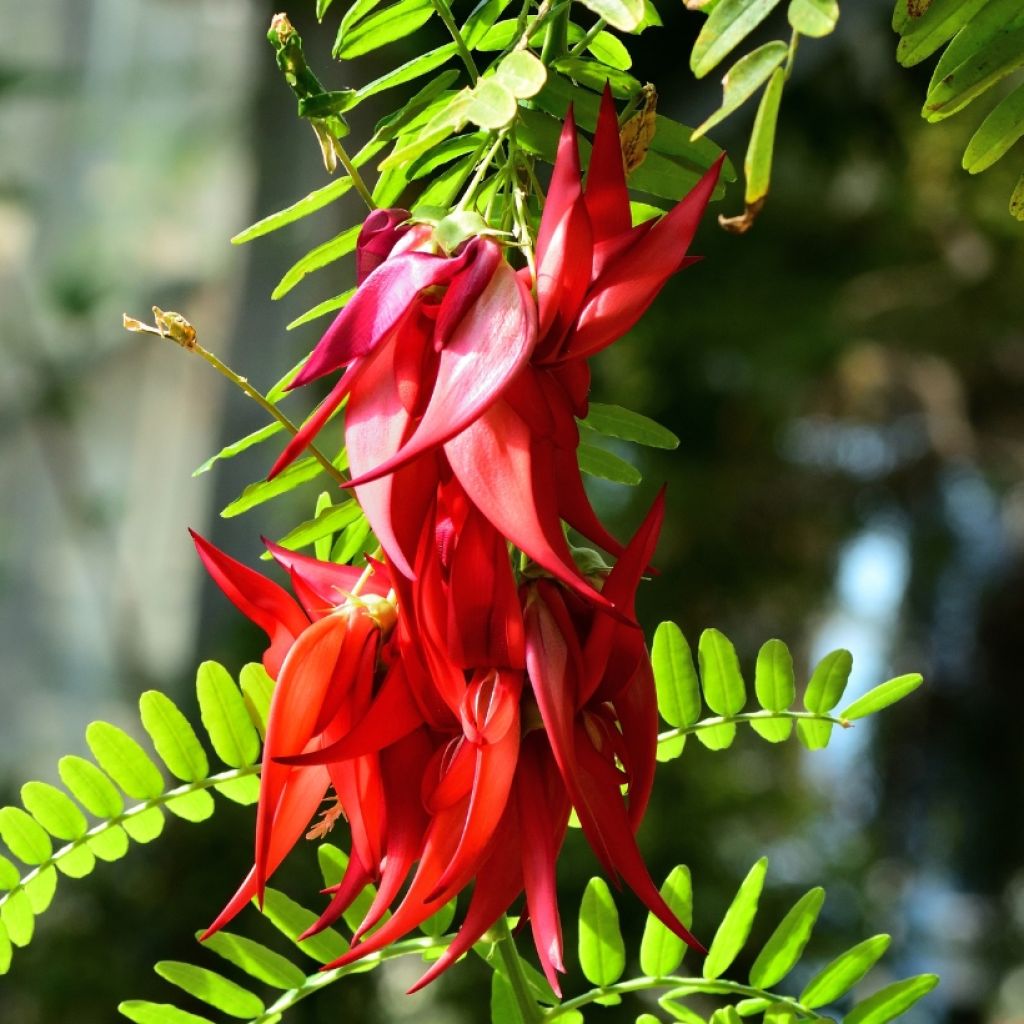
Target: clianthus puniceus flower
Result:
[460, 710]
[452, 365]
[512, 703]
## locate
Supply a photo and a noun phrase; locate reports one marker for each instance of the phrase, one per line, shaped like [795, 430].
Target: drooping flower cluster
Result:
[458, 709]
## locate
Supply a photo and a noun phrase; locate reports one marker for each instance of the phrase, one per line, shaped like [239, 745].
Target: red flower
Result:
[512, 705]
[450, 364]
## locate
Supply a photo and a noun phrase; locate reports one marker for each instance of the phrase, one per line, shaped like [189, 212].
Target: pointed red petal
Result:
[494, 461]
[376, 424]
[304, 680]
[298, 806]
[488, 347]
[316, 422]
[377, 307]
[603, 813]
[392, 715]
[637, 709]
[565, 187]
[332, 582]
[544, 817]
[606, 194]
[377, 237]
[622, 294]
[353, 882]
[497, 886]
[260, 599]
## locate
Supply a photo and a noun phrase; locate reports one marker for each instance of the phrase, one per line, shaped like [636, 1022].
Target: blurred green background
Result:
[846, 379]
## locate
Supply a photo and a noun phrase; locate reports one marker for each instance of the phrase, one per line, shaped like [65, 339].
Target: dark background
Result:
[846, 381]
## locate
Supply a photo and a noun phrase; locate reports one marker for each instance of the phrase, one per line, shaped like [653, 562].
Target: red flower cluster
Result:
[514, 699]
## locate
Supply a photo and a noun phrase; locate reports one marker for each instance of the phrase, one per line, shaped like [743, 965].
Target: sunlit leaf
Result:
[615, 421]
[814, 18]
[728, 25]
[54, 810]
[997, 133]
[785, 946]
[882, 696]
[757, 165]
[219, 992]
[735, 928]
[743, 79]
[661, 950]
[675, 677]
[601, 949]
[888, 1003]
[602, 463]
[838, 977]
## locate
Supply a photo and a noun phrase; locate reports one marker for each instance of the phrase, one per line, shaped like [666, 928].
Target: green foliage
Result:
[682, 693]
[602, 949]
[729, 24]
[776, 959]
[97, 789]
[983, 43]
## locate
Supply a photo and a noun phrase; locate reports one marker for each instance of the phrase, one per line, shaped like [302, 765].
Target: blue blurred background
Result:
[846, 380]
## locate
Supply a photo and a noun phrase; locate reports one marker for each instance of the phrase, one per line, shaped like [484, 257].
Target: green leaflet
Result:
[330, 305]
[90, 786]
[1002, 56]
[610, 50]
[815, 18]
[124, 760]
[734, 930]
[882, 696]
[256, 960]
[299, 472]
[315, 200]
[212, 988]
[225, 717]
[625, 15]
[661, 950]
[601, 949]
[724, 689]
[239, 446]
[923, 36]
[997, 133]
[623, 85]
[785, 946]
[615, 421]
[257, 687]
[142, 1012]
[482, 17]
[24, 836]
[408, 72]
[333, 249]
[757, 165]
[174, 739]
[728, 25]
[602, 463]
[743, 79]
[326, 523]
[53, 810]
[775, 688]
[1017, 200]
[678, 690]
[888, 1003]
[385, 26]
[292, 920]
[838, 977]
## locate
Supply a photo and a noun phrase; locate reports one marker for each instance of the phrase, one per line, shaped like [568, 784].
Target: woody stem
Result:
[506, 946]
[268, 406]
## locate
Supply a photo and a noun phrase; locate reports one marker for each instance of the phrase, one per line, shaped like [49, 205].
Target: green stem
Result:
[716, 987]
[442, 8]
[481, 170]
[352, 171]
[528, 1008]
[131, 812]
[557, 39]
[592, 33]
[269, 407]
[750, 717]
[321, 979]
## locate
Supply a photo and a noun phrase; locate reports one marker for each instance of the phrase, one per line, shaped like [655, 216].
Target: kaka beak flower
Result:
[324, 691]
